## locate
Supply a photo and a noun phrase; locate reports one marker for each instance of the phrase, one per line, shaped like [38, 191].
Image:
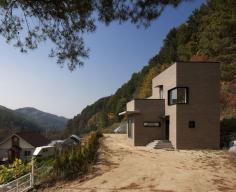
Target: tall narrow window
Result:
[178, 95]
[130, 127]
[161, 91]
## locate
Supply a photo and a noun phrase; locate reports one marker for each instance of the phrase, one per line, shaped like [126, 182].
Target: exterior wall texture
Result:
[130, 106]
[203, 81]
[168, 80]
[151, 110]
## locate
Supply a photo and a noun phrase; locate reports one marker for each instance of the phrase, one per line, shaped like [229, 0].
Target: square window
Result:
[178, 95]
[27, 153]
[191, 124]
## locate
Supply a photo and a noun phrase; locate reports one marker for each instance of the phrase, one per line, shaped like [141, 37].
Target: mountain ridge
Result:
[21, 120]
[45, 119]
[11, 122]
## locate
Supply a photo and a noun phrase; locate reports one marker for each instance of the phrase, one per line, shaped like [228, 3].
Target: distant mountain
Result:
[10, 122]
[46, 120]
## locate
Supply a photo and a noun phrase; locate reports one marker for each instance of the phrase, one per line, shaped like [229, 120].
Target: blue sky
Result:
[117, 51]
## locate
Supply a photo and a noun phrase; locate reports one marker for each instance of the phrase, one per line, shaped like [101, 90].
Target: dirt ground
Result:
[122, 167]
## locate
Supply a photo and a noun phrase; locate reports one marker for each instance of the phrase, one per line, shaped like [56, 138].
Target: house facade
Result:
[21, 145]
[184, 108]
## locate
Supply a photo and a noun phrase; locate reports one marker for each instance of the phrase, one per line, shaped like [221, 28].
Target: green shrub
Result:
[75, 161]
[12, 171]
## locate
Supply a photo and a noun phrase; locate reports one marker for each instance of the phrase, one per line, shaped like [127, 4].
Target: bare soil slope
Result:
[122, 167]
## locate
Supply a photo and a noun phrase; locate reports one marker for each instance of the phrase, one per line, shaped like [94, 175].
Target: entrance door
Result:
[167, 127]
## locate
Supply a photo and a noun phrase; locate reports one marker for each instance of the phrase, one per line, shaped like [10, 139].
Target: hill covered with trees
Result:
[11, 122]
[208, 34]
[46, 120]
[30, 120]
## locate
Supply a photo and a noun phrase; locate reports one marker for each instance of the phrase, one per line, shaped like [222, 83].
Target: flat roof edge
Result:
[128, 112]
[148, 99]
[197, 62]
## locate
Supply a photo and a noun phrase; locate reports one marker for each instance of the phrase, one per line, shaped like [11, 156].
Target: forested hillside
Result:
[11, 122]
[208, 34]
[30, 120]
[46, 120]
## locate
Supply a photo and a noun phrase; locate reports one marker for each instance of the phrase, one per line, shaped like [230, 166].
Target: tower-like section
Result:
[198, 120]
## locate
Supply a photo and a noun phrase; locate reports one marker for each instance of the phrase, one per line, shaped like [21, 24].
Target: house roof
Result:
[35, 139]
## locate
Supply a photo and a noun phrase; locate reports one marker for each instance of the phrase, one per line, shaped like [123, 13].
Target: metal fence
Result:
[21, 184]
[27, 181]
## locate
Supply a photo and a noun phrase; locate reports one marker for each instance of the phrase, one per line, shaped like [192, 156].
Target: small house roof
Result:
[35, 139]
